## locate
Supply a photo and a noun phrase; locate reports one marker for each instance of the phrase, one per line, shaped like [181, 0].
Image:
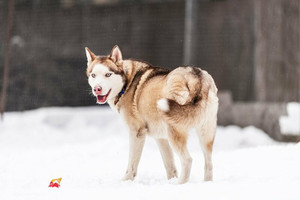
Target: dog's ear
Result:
[89, 55]
[116, 55]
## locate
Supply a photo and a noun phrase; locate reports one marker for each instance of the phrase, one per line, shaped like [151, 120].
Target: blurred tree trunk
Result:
[191, 10]
[277, 50]
[188, 30]
[7, 57]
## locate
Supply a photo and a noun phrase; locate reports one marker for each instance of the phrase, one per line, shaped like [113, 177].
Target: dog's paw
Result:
[128, 177]
[172, 174]
[208, 177]
[182, 180]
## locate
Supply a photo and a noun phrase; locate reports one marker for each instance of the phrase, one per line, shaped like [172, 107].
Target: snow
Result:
[290, 124]
[88, 148]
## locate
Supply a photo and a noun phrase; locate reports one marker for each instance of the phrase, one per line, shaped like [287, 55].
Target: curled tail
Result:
[183, 85]
[186, 87]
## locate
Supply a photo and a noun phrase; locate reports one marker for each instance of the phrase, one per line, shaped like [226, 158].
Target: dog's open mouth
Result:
[101, 99]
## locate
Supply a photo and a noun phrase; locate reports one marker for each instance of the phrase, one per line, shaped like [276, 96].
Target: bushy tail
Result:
[183, 85]
[186, 86]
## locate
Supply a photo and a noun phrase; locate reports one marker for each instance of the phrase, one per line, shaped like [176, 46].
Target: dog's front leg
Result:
[136, 144]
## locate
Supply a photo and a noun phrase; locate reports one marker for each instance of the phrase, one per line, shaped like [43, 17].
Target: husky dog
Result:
[158, 102]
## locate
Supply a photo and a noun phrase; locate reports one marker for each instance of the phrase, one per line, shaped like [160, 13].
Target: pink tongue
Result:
[101, 99]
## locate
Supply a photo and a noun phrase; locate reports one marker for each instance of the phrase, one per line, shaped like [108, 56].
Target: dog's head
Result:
[105, 74]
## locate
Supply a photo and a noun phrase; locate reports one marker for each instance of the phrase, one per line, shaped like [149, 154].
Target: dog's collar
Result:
[123, 90]
[120, 94]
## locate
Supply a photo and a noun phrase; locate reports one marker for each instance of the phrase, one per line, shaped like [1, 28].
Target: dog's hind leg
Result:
[206, 134]
[167, 156]
[178, 141]
[136, 144]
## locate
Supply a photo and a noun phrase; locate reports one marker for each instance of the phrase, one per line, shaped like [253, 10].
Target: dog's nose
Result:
[97, 89]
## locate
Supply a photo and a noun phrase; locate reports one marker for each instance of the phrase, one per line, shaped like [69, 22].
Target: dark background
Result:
[250, 47]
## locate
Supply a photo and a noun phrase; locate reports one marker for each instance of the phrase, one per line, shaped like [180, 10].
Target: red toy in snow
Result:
[55, 182]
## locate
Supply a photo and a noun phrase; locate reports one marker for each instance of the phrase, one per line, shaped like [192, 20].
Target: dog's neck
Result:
[130, 67]
[117, 98]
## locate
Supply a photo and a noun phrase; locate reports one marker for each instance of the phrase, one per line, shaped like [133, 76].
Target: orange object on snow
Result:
[55, 182]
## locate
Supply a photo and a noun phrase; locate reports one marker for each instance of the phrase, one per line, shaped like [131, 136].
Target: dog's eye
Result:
[93, 75]
[108, 74]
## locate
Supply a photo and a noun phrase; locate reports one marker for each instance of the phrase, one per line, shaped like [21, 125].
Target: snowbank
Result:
[290, 124]
[88, 148]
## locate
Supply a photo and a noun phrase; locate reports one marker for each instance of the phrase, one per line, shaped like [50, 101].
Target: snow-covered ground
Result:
[88, 148]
